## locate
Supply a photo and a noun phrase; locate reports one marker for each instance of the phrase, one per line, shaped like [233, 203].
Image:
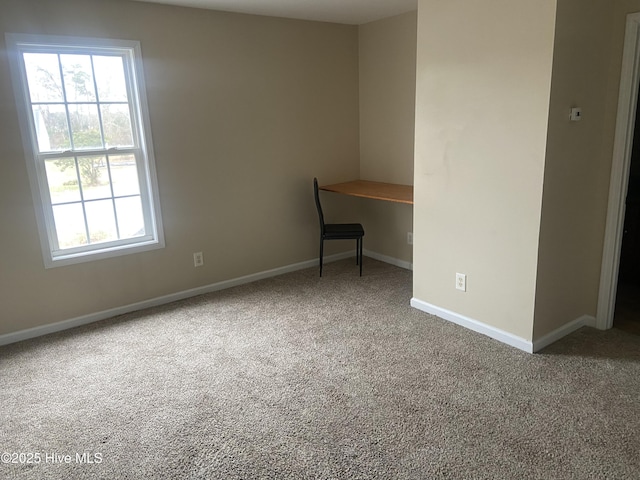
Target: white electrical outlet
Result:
[461, 282]
[410, 238]
[198, 259]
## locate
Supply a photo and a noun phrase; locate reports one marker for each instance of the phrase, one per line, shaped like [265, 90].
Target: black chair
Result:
[338, 231]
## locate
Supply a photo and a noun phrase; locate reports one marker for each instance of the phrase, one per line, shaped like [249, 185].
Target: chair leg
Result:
[321, 249]
[357, 250]
[360, 254]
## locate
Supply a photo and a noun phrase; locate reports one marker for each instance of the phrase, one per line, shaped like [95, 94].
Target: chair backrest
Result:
[318, 206]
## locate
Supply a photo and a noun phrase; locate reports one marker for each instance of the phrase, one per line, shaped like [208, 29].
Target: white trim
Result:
[501, 335]
[623, 143]
[11, 40]
[26, 334]
[475, 325]
[390, 260]
[563, 331]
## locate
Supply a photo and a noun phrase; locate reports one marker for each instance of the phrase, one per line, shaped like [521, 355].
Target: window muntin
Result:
[83, 109]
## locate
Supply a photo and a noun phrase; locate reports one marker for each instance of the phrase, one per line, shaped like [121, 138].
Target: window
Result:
[86, 135]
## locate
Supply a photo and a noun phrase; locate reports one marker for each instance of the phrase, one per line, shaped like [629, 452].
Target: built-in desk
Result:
[389, 192]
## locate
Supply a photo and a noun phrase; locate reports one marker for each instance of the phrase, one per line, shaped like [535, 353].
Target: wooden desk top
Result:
[390, 192]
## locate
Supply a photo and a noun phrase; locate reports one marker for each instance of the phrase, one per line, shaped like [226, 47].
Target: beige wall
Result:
[587, 54]
[387, 56]
[576, 177]
[482, 104]
[245, 110]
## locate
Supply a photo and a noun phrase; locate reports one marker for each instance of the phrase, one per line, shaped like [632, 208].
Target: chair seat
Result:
[343, 230]
[338, 231]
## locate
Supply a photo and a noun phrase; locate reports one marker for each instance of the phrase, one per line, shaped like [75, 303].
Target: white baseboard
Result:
[495, 333]
[501, 335]
[386, 259]
[26, 334]
[475, 325]
[563, 331]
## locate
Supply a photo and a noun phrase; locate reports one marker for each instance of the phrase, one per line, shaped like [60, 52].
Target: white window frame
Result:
[143, 147]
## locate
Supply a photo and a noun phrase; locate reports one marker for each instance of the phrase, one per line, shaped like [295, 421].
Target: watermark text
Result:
[34, 458]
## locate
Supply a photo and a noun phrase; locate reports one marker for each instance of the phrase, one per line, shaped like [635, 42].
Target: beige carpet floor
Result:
[316, 378]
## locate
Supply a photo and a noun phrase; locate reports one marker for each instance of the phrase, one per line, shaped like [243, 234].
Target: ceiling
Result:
[352, 12]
